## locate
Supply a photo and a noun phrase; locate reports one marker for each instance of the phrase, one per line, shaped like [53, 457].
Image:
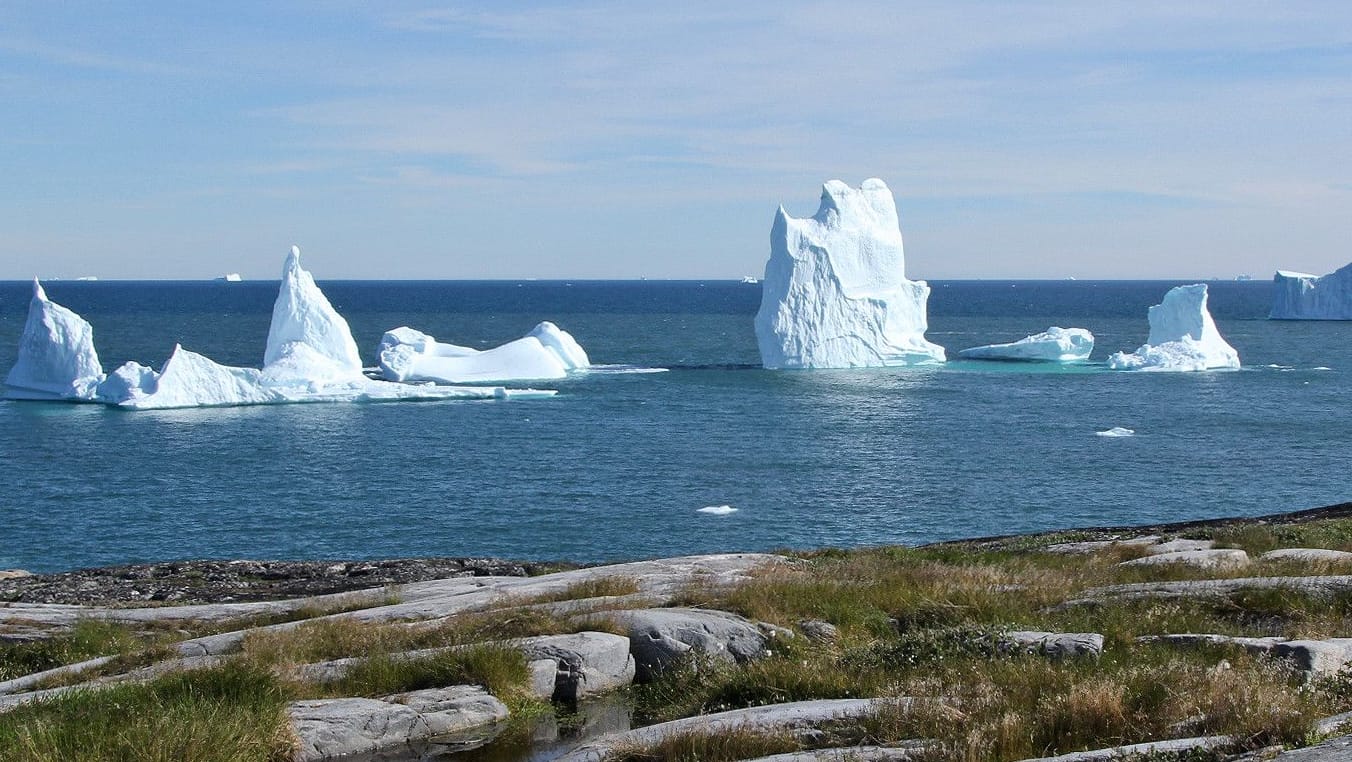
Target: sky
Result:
[622, 139]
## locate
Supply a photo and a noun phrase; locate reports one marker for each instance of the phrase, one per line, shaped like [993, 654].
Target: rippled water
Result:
[617, 466]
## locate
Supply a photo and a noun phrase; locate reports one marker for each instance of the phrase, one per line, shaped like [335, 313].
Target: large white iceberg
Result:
[1298, 296]
[1055, 344]
[835, 293]
[1183, 337]
[56, 359]
[311, 357]
[544, 353]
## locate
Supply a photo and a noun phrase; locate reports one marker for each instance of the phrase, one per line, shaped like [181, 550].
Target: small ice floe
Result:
[1321, 367]
[618, 370]
[717, 510]
[1116, 431]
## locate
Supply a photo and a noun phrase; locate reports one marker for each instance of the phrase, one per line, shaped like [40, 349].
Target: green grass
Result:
[89, 638]
[227, 714]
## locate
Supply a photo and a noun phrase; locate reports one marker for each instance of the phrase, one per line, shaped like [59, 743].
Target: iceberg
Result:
[1299, 296]
[1183, 337]
[230, 278]
[835, 293]
[547, 352]
[1053, 345]
[303, 315]
[56, 359]
[311, 357]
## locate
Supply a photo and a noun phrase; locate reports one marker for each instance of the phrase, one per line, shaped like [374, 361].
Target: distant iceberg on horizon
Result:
[1183, 337]
[1301, 296]
[835, 293]
[1055, 344]
[310, 357]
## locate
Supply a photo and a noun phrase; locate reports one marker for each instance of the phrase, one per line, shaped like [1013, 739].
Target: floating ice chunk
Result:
[1053, 345]
[302, 314]
[620, 370]
[1183, 337]
[230, 278]
[188, 380]
[1321, 367]
[1116, 431]
[835, 293]
[56, 358]
[717, 510]
[1300, 296]
[546, 352]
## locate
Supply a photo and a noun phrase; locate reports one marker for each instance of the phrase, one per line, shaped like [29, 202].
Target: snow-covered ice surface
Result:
[1053, 345]
[1116, 431]
[56, 359]
[547, 352]
[311, 357]
[1183, 337]
[1300, 296]
[835, 293]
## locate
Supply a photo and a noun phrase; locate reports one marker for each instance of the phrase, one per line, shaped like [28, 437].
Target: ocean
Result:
[617, 466]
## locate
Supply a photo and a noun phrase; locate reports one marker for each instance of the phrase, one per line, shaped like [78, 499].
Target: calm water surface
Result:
[616, 466]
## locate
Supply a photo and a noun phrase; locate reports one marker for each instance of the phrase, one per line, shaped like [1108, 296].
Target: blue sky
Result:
[619, 140]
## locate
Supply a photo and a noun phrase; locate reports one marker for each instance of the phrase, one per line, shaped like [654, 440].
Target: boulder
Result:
[1316, 658]
[1094, 546]
[659, 638]
[586, 662]
[818, 631]
[1176, 546]
[1056, 645]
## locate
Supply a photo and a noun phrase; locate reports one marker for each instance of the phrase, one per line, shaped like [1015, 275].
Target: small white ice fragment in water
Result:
[1116, 431]
[717, 510]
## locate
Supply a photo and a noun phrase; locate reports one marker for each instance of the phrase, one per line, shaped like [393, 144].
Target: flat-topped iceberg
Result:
[835, 293]
[1299, 296]
[546, 352]
[57, 359]
[1183, 337]
[311, 357]
[1055, 344]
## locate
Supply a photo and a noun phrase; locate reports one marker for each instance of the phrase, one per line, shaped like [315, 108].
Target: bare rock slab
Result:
[1201, 559]
[1313, 657]
[1308, 556]
[1142, 751]
[1178, 546]
[334, 728]
[800, 714]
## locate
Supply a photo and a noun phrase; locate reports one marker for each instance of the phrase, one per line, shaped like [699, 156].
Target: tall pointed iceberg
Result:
[835, 293]
[1299, 296]
[303, 315]
[1183, 337]
[56, 359]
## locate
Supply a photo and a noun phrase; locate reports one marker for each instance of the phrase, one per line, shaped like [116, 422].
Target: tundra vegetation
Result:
[929, 627]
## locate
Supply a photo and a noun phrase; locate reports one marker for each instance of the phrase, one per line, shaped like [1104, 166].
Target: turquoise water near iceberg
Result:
[617, 466]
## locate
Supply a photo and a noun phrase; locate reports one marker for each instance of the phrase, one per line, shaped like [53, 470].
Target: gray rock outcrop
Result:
[332, 728]
[660, 638]
[1201, 559]
[1055, 645]
[586, 663]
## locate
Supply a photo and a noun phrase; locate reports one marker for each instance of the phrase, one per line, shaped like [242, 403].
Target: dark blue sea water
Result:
[616, 466]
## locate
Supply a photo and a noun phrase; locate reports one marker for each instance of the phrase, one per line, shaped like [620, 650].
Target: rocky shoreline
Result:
[241, 581]
[230, 581]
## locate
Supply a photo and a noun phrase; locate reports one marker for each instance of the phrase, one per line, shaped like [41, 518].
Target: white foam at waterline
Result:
[717, 510]
[1116, 431]
[616, 370]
